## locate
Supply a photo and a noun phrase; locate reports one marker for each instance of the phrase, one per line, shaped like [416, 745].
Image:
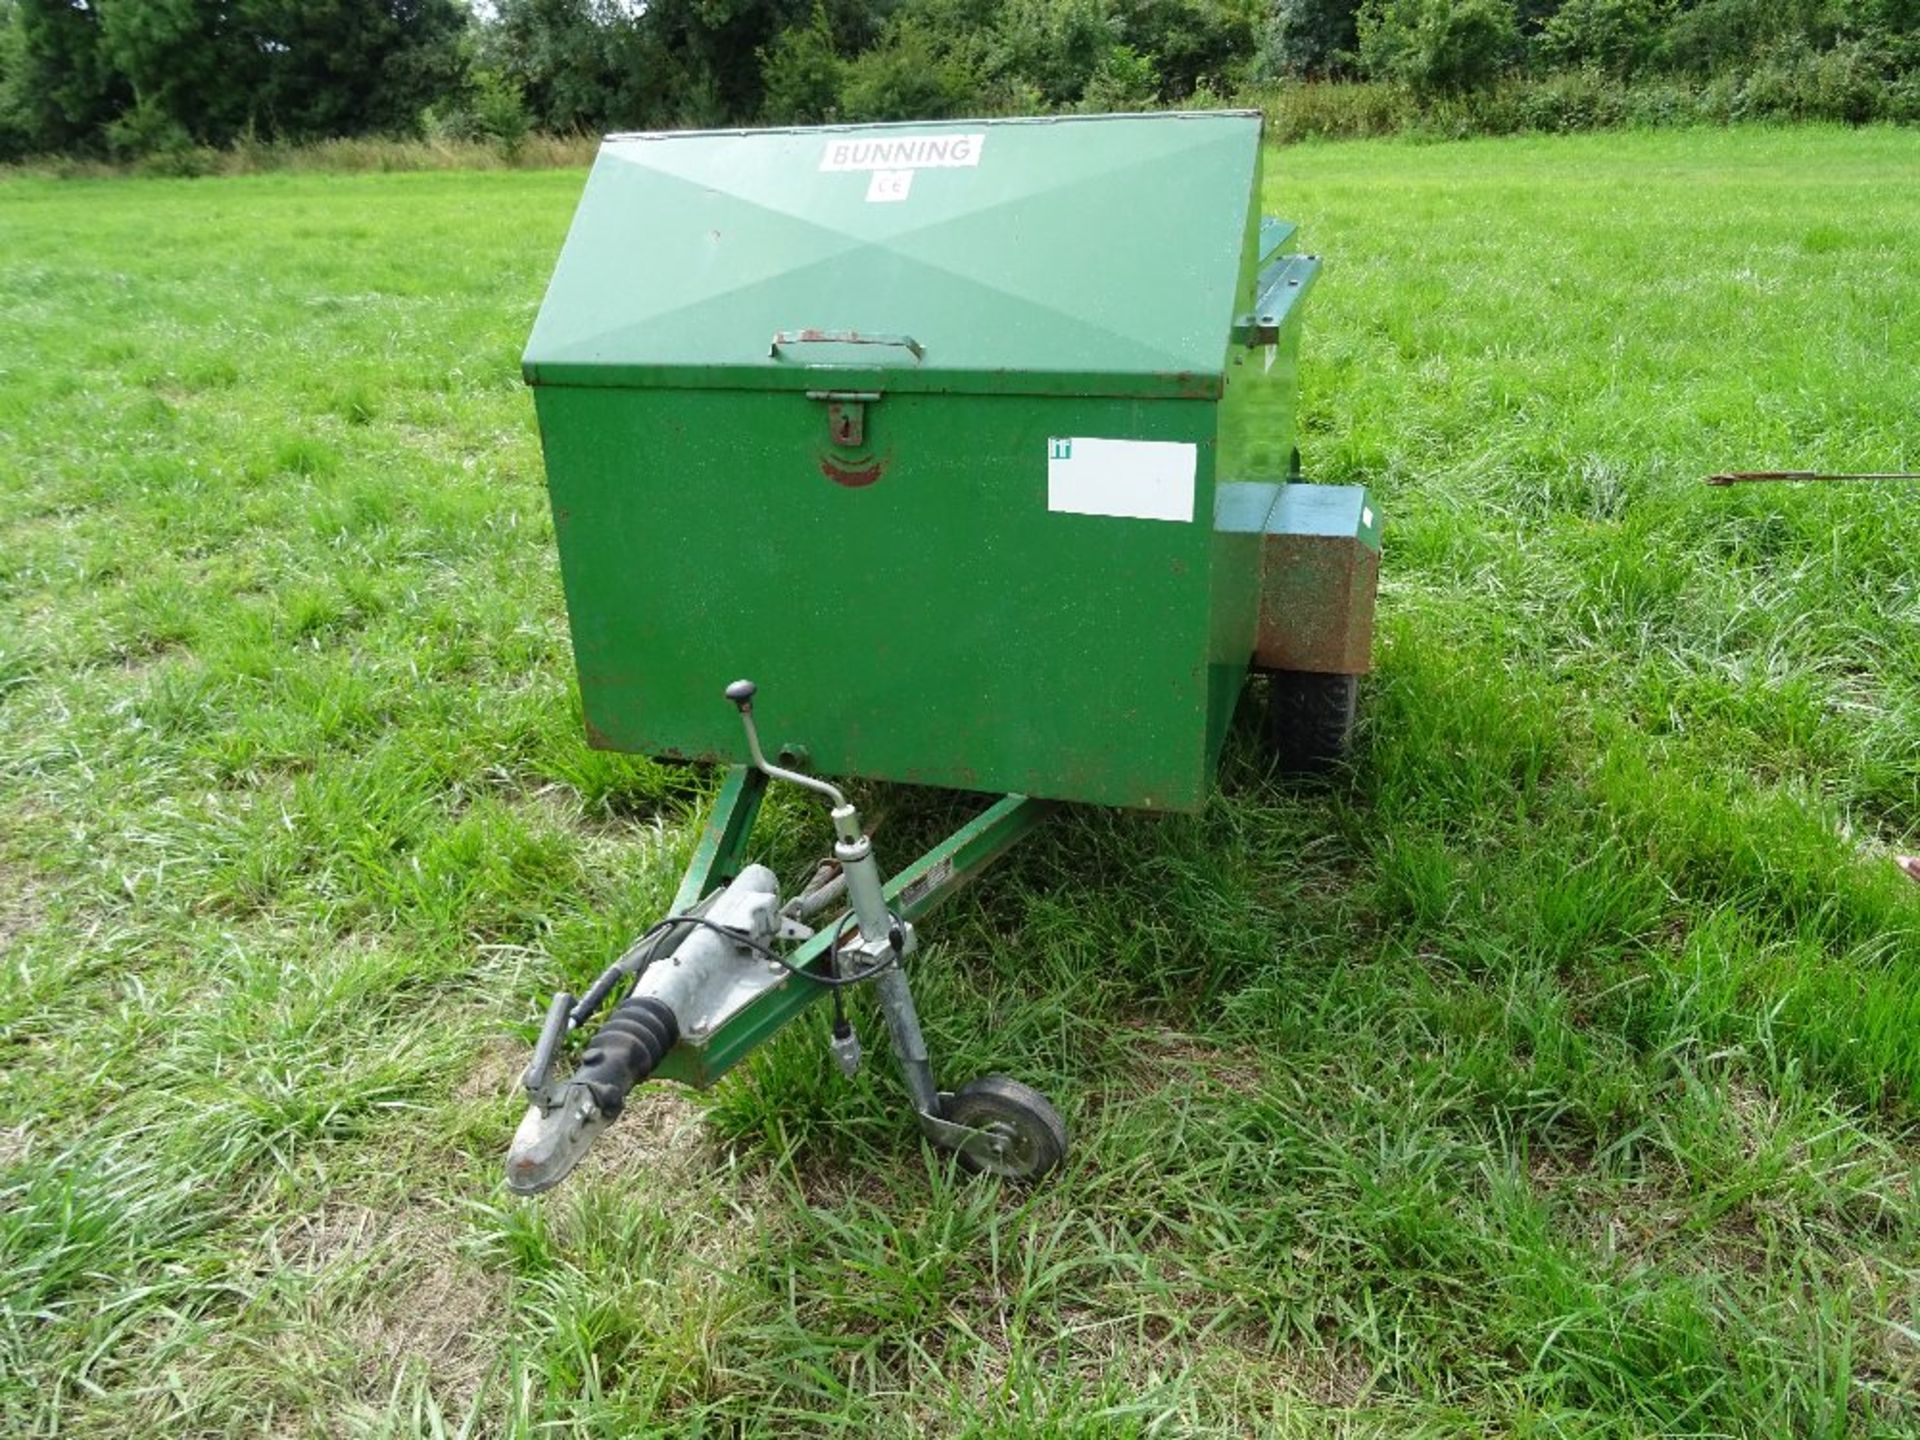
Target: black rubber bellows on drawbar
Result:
[625, 1052]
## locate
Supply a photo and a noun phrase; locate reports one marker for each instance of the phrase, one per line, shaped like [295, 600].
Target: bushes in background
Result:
[161, 76]
[165, 79]
[1578, 100]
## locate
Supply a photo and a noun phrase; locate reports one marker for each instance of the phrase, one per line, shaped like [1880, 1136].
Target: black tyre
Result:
[1026, 1137]
[1310, 720]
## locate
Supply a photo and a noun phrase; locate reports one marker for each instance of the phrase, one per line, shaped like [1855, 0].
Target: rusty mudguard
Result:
[1319, 573]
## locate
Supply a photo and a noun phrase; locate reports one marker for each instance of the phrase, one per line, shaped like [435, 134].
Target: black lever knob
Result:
[741, 693]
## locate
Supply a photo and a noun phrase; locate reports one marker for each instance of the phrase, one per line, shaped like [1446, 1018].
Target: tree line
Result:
[127, 78]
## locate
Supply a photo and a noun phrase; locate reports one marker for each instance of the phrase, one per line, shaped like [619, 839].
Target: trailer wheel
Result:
[1027, 1136]
[1310, 719]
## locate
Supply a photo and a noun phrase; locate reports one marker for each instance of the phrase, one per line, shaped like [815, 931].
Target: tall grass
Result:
[368, 154]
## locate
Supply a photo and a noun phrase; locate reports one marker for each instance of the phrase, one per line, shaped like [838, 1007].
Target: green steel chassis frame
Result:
[719, 856]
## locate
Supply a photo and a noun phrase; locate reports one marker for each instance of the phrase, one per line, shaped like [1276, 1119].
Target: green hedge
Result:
[102, 80]
[1819, 88]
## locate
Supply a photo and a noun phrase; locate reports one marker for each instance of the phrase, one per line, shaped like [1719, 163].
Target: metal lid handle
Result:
[843, 337]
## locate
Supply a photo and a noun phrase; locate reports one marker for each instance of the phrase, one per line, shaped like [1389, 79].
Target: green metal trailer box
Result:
[932, 430]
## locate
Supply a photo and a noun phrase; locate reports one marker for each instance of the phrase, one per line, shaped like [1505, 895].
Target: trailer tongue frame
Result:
[728, 1037]
[692, 1017]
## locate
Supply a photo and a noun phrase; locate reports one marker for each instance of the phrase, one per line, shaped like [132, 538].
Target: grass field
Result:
[1556, 1073]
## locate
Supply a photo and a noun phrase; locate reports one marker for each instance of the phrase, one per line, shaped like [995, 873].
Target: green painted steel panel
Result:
[1062, 254]
[940, 626]
[954, 595]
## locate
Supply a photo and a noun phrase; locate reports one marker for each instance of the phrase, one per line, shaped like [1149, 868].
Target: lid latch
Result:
[846, 415]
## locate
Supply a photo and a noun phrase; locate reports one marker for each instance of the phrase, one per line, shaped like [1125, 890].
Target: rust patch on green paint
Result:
[1316, 604]
[854, 476]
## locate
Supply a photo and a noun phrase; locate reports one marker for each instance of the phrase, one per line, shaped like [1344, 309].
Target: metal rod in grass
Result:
[1749, 477]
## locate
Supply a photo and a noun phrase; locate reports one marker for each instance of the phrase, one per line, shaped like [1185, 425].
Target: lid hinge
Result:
[1281, 286]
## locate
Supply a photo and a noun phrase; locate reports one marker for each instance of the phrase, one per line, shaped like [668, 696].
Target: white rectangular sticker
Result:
[889, 184]
[902, 152]
[1134, 479]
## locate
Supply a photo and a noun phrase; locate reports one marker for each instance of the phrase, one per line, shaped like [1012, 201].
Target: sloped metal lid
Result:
[1099, 254]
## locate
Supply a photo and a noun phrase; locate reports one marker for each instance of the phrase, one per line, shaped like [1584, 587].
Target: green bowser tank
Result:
[973, 444]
